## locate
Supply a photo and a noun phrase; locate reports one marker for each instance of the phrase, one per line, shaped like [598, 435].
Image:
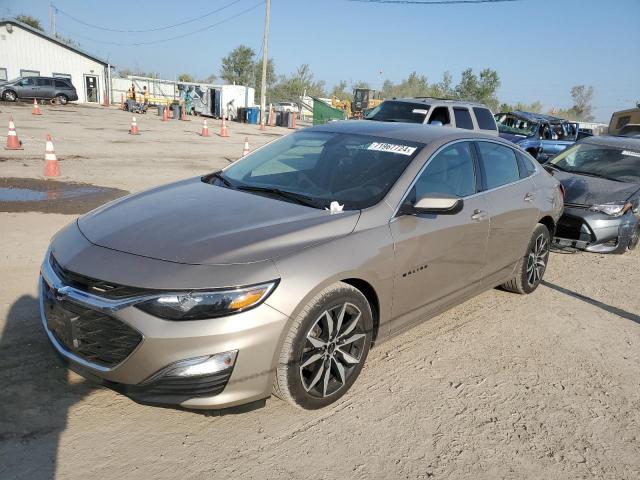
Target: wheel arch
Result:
[548, 222]
[372, 297]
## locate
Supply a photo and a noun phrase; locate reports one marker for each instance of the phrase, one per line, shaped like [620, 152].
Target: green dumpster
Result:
[323, 113]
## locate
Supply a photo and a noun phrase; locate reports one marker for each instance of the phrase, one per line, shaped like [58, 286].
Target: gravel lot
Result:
[545, 386]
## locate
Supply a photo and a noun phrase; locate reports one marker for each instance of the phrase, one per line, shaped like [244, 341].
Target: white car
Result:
[286, 107]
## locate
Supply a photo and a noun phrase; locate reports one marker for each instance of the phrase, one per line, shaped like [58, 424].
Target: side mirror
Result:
[437, 123]
[438, 204]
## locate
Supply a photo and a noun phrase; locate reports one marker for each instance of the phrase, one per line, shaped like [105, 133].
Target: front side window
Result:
[614, 163]
[463, 118]
[357, 171]
[394, 111]
[440, 114]
[499, 163]
[450, 172]
[27, 82]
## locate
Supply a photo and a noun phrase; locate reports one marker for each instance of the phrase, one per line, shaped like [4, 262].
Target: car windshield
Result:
[620, 164]
[356, 171]
[390, 111]
[515, 125]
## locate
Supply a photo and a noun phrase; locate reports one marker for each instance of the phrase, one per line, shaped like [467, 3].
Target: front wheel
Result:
[532, 266]
[325, 349]
[10, 96]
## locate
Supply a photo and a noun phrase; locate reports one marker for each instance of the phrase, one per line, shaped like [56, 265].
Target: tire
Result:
[335, 328]
[533, 264]
[61, 99]
[10, 96]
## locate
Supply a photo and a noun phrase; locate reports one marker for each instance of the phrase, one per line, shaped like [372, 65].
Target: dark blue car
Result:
[543, 136]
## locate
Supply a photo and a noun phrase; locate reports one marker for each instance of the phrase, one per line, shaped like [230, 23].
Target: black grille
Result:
[573, 228]
[89, 334]
[92, 285]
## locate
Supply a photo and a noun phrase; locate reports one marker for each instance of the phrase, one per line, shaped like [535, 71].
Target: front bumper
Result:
[148, 344]
[596, 232]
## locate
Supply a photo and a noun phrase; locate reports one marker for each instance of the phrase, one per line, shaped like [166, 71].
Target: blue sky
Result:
[540, 48]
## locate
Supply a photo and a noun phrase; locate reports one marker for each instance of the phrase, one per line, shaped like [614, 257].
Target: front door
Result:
[512, 209]
[91, 88]
[439, 255]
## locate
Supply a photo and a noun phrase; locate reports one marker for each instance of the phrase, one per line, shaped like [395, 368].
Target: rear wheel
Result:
[532, 266]
[61, 99]
[10, 96]
[325, 348]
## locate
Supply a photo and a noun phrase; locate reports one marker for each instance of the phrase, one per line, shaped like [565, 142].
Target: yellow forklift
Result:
[364, 99]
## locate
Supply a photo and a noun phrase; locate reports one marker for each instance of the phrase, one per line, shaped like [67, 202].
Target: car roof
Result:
[413, 132]
[429, 100]
[534, 117]
[613, 141]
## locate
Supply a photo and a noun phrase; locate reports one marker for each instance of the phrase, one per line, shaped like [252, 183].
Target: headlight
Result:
[200, 305]
[612, 209]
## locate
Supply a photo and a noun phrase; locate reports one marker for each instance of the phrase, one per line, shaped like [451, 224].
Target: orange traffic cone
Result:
[184, 114]
[121, 101]
[223, 129]
[134, 127]
[205, 129]
[36, 108]
[292, 120]
[270, 119]
[245, 150]
[13, 143]
[51, 166]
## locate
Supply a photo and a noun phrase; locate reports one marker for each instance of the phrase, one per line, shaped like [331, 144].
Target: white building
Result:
[26, 51]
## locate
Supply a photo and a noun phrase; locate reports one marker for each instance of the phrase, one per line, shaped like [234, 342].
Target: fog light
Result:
[198, 366]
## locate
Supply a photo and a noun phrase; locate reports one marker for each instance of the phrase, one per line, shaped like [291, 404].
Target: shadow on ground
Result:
[592, 301]
[35, 396]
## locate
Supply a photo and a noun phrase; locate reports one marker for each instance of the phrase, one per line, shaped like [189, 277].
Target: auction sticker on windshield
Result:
[392, 148]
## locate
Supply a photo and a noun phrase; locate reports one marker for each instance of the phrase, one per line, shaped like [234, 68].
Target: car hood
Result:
[513, 138]
[584, 190]
[197, 223]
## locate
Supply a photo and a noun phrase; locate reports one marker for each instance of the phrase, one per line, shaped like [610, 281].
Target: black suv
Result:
[45, 88]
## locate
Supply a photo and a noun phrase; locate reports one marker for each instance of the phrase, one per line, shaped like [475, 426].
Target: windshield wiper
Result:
[220, 176]
[295, 197]
[596, 175]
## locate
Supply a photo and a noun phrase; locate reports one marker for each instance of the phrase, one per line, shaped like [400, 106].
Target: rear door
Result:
[511, 204]
[437, 255]
[44, 88]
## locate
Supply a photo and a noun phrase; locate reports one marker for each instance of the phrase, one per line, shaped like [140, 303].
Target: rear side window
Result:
[61, 84]
[485, 119]
[526, 166]
[499, 163]
[463, 118]
[451, 172]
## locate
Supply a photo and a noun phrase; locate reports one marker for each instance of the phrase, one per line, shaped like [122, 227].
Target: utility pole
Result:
[265, 61]
[52, 19]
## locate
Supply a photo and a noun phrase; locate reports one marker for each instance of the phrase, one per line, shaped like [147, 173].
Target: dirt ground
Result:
[545, 386]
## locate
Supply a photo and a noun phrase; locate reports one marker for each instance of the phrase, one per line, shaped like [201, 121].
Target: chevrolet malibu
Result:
[280, 272]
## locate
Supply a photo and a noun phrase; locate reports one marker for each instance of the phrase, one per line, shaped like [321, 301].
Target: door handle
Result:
[478, 215]
[529, 197]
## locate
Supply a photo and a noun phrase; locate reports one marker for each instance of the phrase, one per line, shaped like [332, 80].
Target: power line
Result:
[136, 44]
[166, 27]
[433, 2]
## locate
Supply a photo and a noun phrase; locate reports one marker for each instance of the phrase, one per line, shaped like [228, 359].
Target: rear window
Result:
[392, 111]
[463, 118]
[61, 84]
[485, 119]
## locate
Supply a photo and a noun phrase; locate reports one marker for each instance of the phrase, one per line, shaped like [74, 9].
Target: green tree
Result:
[29, 20]
[257, 77]
[210, 79]
[237, 67]
[582, 97]
[340, 91]
[292, 87]
[480, 88]
[185, 77]
[444, 88]
[360, 84]
[413, 86]
[535, 107]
